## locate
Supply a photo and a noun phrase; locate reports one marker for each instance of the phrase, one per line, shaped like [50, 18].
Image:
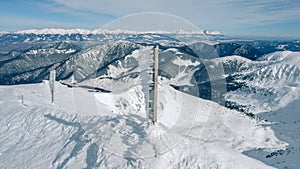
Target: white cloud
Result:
[226, 13]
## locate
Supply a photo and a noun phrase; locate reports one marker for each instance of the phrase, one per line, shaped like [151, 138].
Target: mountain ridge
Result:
[106, 31]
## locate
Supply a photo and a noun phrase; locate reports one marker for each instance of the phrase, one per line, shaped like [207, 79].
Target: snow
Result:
[88, 129]
[181, 62]
[191, 132]
[277, 56]
[282, 47]
[210, 32]
[117, 31]
[3, 32]
[272, 93]
[280, 68]
[231, 58]
[50, 51]
[286, 126]
[142, 56]
[53, 31]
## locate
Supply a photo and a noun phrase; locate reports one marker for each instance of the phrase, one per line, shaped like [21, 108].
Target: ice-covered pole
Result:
[155, 79]
[52, 84]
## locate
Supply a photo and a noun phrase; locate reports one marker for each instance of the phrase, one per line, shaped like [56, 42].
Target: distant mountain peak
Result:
[211, 32]
[3, 32]
[117, 31]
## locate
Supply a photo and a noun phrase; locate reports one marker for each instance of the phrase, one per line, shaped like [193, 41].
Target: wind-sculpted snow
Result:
[37, 134]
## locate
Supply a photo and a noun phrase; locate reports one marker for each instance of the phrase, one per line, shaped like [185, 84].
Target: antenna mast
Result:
[154, 87]
[52, 84]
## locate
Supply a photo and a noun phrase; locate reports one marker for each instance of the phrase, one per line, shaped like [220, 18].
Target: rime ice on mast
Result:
[153, 87]
[52, 84]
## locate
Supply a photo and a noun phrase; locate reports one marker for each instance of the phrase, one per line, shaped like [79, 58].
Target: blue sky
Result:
[277, 18]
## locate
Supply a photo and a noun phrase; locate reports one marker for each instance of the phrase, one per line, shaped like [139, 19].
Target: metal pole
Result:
[52, 84]
[155, 99]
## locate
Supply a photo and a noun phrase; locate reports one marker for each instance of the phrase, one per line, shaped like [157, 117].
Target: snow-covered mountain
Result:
[210, 32]
[223, 103]
[270, 90]
[42, 135]
[117, 31]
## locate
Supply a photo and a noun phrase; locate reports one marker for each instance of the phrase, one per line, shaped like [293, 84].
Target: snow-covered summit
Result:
[42, 135]
[3, 32]
[211, 32]
[53, 31]
[278, 56]
[117, 31]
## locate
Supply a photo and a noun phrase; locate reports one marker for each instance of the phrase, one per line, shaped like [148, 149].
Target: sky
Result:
[269, 18]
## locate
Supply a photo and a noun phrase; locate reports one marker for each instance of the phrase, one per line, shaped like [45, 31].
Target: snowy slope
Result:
[270, 83]
[286, 122]
[37, 134]
[87, 128]
[271, 91]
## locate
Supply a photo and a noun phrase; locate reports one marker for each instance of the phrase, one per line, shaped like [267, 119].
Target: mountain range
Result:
[238, 99]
